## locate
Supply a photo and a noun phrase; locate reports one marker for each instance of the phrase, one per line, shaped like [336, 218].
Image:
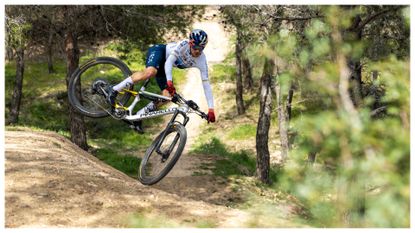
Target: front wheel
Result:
[157, 162]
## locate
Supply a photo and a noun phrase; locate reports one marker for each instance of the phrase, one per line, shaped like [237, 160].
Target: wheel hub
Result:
[98, 86]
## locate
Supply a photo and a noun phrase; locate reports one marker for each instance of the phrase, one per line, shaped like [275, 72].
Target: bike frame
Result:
[183, 109]
[151, 96]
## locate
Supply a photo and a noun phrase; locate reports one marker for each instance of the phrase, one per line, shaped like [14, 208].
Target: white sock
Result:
[123, 84]
[148, 108]
[151, 106]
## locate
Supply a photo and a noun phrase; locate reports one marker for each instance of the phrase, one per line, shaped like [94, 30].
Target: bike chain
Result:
[111, 114]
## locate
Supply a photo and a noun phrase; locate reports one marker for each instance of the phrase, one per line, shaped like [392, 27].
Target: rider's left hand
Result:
[211, 115]
[170, 88]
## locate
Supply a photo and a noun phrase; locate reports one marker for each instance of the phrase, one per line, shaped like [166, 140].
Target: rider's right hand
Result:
[211, 115]
[170, 88]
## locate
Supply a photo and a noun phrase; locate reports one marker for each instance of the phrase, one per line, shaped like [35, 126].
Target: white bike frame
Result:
[137, 117]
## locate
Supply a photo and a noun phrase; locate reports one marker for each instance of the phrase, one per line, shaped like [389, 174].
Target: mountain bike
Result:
[87, 94]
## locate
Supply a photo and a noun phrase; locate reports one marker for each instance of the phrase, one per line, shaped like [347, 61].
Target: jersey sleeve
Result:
[204, 74]
[168, 66]
[203, 67]
[208, 93]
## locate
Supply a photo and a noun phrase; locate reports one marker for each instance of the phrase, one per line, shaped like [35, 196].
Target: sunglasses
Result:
[198, 47]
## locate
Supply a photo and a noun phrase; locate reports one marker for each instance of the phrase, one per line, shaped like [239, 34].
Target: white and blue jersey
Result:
[178, 55]
[182, 58]
[165, 57]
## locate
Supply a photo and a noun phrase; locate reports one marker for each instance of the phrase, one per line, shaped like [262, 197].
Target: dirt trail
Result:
[215, 52]
[181, 180]
[50, 182]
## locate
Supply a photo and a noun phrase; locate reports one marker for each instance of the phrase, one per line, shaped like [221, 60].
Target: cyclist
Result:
[160, 60]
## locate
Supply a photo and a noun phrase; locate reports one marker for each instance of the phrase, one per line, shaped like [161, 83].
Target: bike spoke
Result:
[92, 80]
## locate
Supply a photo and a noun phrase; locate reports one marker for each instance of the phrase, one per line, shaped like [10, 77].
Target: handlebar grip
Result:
[204, 115]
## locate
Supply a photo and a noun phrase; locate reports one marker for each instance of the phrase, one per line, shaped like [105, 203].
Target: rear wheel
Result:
[157, 163]
[82, 91]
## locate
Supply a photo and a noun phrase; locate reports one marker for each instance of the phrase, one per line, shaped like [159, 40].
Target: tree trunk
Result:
[262, 161]
[9, 53]
[282, 121]
[356, 81]
[18, 86]
[290, 100]
[239, 86]
[76, 121]
[375, 75]
[312, 157]
[376, 94]
[50, 51]
[247, 72]
[355, 66]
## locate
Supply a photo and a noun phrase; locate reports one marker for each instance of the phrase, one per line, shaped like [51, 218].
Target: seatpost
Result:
[145, 85]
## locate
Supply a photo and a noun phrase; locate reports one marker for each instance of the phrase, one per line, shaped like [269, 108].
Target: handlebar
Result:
[179, 99]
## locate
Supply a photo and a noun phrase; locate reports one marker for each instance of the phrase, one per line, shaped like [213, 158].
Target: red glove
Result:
[170, 88]
[211, 115]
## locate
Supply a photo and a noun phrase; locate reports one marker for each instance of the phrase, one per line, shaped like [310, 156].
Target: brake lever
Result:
[177, 98]
[192, 104]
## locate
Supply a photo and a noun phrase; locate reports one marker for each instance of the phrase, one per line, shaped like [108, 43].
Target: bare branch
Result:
[297, 18]
[377, 111]
[376, 15]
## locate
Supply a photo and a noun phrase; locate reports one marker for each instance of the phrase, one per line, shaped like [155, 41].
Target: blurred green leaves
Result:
[361, 176]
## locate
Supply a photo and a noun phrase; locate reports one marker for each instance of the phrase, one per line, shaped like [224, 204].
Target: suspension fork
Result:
[176, 138]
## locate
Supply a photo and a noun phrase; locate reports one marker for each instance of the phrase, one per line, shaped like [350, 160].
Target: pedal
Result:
[137, 126]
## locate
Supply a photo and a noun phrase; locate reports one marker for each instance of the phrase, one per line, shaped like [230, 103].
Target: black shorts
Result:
[156, 57]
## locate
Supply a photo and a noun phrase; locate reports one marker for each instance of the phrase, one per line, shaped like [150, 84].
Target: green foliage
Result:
[43, 95]
[406, 15]
[316, 29]
[115, 133]
[223, 73]
[127, 164]
[242, 132]
[394, 75]
[283, 43]
[355, 167]
[361, 175]
[17, 29]
[227, 163]
[129, 53]
[391, 34]
[140, 25]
